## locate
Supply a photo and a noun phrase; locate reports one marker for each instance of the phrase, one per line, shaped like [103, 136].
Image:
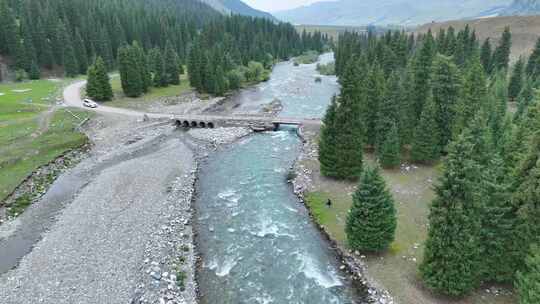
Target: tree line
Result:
[429, 97]
[49, 35]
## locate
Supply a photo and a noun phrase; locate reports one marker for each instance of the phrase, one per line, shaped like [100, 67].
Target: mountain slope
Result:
[523, 8]
[525, 30]
[384, 12]
[237, 7]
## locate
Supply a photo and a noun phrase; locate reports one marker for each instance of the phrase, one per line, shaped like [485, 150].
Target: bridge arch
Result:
[202, 124]
[210, 125]
[185, 124]
[193, 124]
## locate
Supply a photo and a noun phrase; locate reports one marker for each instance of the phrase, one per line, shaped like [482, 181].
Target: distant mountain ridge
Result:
[396, 12]
[237, 7]
[523, 8]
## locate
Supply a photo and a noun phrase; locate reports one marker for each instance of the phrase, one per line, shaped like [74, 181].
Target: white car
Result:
[89, 103]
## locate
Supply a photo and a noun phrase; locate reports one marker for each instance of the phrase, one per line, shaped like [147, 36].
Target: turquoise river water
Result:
[258, 244]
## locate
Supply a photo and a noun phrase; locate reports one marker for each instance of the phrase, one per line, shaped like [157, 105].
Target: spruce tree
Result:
[390, 150]
[375, 90]
[533, 64]
[525, 99]
[389, 110]
[9, 35]
[371, 222]
[349, 141]
[528, 280]
[446, 84]
[451, 256]
[172, 74]
[486, 56]
[426, 139]
[81, 54]
[34, 72]
[69, 60]
[194, 66]
[516, 80]
[328, 141]
[98, 86]
[473, 96]
[501, 55]
[160, 78]
[526, 199]
[498, 223]
[142, 66]
[422, 74]
[130, 76]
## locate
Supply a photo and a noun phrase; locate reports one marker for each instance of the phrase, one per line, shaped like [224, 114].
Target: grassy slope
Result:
[395, 270]
[137, 103]
[525, 30]
[27, 142]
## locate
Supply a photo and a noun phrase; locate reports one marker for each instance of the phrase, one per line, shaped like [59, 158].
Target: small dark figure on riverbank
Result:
[329, 203]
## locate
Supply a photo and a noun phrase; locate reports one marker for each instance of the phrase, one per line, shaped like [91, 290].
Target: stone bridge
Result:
[255, 122]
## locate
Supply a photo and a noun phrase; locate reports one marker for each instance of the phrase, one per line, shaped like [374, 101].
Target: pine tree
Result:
[426, 139]
[516, 80]
[451, 255]
[172, 74]
[390, 151]
[528, 280]
[328, 141]
[371, 222]
[446, 84]
[486, 56]
[501, 55]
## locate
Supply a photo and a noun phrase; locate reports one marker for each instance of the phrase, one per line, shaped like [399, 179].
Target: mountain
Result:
[523, 8]
[237, 7]
[386, 12]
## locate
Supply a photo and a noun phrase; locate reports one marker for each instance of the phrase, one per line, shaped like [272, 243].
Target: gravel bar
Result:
[125, 237]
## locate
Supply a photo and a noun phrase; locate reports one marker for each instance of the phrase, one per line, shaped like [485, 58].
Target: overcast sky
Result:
[277, 5]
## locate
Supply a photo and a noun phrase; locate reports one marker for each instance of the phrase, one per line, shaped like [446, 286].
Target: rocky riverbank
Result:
[37, 184]
[352, 262]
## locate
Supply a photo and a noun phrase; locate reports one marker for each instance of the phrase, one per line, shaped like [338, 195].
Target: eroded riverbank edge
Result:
[351, 261]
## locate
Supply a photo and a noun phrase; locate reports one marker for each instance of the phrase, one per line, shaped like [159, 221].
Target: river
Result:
[257, 242]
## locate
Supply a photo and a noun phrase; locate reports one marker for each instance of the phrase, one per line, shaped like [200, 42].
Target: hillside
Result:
[237, 7]
[523, 8]
[525, 30]
[386, 12]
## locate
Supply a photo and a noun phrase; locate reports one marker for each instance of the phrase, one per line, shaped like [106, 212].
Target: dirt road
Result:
[72, 98]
